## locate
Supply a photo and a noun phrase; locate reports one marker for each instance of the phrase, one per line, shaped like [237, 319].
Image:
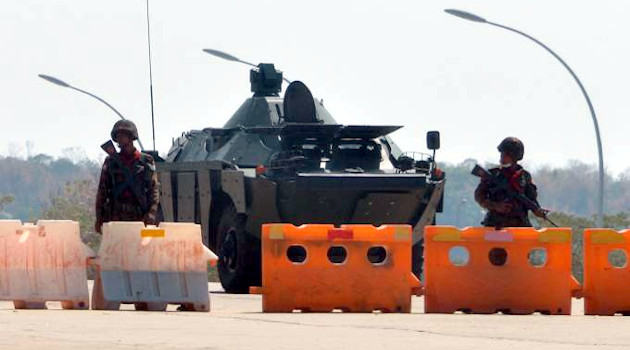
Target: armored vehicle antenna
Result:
[150, 75]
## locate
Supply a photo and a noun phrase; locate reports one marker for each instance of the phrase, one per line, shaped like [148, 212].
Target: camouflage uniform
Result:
[128, 189]
[488, 196]
[492, 197]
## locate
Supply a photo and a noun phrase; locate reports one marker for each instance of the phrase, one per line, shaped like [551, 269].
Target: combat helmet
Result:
[125, 125]
[512, 147]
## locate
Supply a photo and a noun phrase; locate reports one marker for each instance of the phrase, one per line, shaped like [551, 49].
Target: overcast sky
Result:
[373, 62]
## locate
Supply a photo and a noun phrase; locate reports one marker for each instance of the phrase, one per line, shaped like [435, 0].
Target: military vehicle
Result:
[286, 160]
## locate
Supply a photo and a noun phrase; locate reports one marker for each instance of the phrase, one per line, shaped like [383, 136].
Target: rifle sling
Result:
[128, 183]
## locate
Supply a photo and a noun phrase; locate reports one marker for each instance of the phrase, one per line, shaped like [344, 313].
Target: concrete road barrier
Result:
[152, 267]
[43, 262]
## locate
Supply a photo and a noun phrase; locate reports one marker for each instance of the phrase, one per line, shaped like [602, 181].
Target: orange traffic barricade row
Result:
[513, 270]
[152, 267]
[43, 262]
[606, 273]
[320, 268]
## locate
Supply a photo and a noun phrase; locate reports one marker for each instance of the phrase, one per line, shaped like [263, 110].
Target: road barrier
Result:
[43, 262]
[606, 273]
[320, 268]
[483, 270]
[152, 267]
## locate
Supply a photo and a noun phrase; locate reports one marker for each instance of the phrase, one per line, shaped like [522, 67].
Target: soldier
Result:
[505, 210]
[128, 189]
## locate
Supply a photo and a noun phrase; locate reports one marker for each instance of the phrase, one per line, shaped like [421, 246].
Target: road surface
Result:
[236, 322]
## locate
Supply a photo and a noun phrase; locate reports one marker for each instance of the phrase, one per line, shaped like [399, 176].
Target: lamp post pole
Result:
[600, 202]
[62, 83]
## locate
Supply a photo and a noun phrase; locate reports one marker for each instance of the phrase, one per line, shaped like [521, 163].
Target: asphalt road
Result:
[236, 322]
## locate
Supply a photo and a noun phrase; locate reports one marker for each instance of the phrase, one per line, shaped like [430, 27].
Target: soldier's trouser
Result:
[127, 212]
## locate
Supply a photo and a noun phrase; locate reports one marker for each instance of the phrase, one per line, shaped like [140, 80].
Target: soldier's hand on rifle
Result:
[502, 207]
[541, 213]
[150, 219]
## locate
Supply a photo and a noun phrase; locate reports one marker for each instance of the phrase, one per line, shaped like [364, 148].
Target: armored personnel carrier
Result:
[286, 160]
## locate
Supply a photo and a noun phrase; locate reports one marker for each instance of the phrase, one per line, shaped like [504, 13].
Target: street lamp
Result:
[228, 57]
[62, 83]
[600, 205]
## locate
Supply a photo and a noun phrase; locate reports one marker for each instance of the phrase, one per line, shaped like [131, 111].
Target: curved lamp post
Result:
[228, 57]
[62, 83]
[600, 205]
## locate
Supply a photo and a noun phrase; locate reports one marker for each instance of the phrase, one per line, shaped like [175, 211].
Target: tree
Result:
[76, 202]
[5, 200]
[34, 181]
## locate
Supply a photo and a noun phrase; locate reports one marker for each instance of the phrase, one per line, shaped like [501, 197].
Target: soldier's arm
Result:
[154, 191]
[101, 196]
[481, 195]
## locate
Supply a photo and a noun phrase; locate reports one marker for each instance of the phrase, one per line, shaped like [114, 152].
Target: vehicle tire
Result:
[238, 251]
[417, 258]
[150, 306]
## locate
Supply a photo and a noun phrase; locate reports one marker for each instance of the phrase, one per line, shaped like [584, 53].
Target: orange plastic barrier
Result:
[482, 270]
[606, 272]
[152, 267]
[320, 268]
[43, 262]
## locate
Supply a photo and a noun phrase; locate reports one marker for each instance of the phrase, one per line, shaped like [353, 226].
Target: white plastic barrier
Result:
[43, 262]
[152, 267]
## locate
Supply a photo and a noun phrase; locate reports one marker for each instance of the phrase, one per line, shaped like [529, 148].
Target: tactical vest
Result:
[135, 178]
[518, 181]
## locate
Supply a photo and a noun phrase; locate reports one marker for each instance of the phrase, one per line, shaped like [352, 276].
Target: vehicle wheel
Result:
[417, 258]
[150, 306]
[239, 253]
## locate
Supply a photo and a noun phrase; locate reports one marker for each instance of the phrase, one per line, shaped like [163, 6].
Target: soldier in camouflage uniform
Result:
[128, 189]
[504, 211]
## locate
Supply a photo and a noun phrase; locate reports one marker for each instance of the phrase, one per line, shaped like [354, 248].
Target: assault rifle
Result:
[511, 193]
[109, 148]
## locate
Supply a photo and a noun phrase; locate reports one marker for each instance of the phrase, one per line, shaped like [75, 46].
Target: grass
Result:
[213, 274]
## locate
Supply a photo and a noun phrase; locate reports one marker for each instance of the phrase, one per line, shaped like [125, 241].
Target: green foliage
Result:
[213, 274]
[35, 181]
[76, 202]
[5, 199]
[618, 221]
